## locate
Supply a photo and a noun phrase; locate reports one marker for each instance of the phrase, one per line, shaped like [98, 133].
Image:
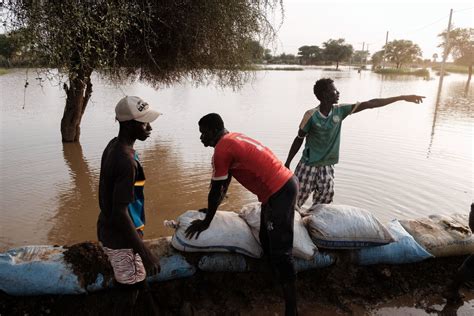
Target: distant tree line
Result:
[397, 53]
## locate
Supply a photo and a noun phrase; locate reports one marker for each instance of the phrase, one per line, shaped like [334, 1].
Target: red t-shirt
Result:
[250, 163]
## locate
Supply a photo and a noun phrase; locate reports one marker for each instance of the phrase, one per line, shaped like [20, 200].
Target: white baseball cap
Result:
[135, 108]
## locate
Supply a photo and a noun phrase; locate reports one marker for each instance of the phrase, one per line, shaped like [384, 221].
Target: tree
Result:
[267, 55]
[337, 50]
[402, 52]
[435, 57]
[12, 45]
[360, 56]
[377, 58]
[7, 47]
[461, 46]
[158, 42]
[256, 51]
[310, 54]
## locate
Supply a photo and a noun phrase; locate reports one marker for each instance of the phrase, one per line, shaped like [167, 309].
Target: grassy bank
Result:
[452, 68]
[283, 68]
[3, 71]
[403, 71]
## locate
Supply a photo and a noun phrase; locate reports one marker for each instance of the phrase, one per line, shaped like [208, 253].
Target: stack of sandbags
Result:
[404, 249]
[228, 232]
[303, 247]
[345, 227]
[442, 235]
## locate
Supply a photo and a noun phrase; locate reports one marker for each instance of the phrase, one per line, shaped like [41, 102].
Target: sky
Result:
[312, 22]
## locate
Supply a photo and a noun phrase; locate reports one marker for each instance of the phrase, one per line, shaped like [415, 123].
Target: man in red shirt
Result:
[261, 172]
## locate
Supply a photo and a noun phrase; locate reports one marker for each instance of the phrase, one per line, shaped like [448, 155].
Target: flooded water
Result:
[401, 161]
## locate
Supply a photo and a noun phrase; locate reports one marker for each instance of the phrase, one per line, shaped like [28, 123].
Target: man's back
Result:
[252, 164]
[117, 176]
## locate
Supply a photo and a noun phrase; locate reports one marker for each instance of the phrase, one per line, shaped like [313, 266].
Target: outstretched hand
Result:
[196, 228]
[413, 98]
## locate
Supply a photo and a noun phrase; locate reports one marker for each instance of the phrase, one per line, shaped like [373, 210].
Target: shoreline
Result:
[343, 288]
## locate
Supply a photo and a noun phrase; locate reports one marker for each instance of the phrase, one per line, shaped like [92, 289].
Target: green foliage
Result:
[7, 47]
[360, 56]
[310, 55]
[255, 51]
[402, 52]
[452, 68]
[159, 42]
[282, 68]
[12, 47]
[377, 58]
[403, 71]
[337, 50]
[461, 44]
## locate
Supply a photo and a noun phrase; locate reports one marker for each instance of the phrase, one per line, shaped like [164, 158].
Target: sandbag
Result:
[227, 262]
[344, 227]
[303, 247]
[226, 233]
[404, 249]
[442, 235]
[39, 270]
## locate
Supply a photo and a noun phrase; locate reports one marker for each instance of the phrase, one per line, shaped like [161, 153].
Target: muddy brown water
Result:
[402, 161]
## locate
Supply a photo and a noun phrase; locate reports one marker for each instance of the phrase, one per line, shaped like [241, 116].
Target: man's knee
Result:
[283, 265]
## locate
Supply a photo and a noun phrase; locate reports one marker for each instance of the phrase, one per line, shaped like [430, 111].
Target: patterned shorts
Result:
[128, 266]
[318, 180]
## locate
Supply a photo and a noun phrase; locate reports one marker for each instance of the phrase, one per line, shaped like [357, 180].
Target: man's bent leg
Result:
[279, 223]
[306, 180]
[324, 192]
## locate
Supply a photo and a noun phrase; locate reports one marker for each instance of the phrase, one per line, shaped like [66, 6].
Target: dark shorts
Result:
[276, 222]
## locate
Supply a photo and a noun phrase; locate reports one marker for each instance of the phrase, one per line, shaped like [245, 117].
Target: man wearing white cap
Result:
[122, 214]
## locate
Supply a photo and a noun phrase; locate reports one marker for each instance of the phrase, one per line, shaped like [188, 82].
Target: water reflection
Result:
[77, 201]
[172, 188]
[455, 101]
[384, 165]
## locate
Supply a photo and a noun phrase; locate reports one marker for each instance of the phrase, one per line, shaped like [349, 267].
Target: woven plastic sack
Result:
[303, 247]
[442, 235]
[345, 227]
[226, 233]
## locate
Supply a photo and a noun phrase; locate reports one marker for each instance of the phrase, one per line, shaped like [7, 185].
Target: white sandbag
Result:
[404, 249]
[303, 247]
[227, 233]
[345, 227]
[442, 235]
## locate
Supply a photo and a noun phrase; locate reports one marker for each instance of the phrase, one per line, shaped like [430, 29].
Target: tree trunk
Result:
[337, 65]
[469, 75]
[77, 96]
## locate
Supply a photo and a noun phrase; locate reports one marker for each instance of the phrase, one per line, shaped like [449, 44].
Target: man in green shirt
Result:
[321, 126]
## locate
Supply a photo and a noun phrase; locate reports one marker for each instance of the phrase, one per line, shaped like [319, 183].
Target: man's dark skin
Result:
[330, 98]
[118, 231]
[210, 138]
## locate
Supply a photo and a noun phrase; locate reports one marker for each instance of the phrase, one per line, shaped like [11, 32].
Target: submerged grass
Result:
[287, 68]
[394, 71]
[452, 68]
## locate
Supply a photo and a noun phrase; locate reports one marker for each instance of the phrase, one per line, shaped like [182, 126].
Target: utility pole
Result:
[446, 46]
[365, 58]
[384, 48]
[441, 76]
